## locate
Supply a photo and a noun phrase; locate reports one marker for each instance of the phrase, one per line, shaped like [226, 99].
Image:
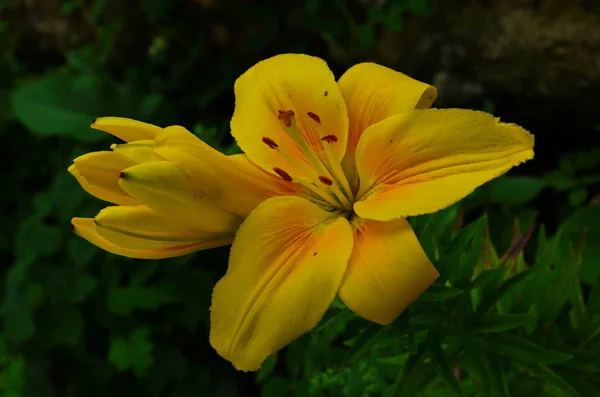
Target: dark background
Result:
[78, 322]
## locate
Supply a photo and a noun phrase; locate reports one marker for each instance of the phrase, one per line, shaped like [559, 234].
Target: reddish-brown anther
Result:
[269, 142]
[330, 138]
[286, 116]
[314, 116]
[284, 175]
[326, 180]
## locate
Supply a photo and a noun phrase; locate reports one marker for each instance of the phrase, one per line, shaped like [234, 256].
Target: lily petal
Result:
[165, 188]
[126, 129]
[373, 93]
[142, 228]
[234, 182]
[98, 174]
[290, 82]
[139, 152]
[286, 265]
[387, 271]
[85, 228]
[426, 160]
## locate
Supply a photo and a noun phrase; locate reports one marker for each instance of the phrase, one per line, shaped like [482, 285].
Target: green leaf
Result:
[18, 320]
[366, 36]
[587, 361]
[515, 190]
[64, 104]
[499, 323]
[508, 286]
[80, 286]
[125, 300]
[521, 349]
[134, 352]
[441, 363]
[267, 368]
[330, 320]
[480, 363]
[52, 105]
[369, 335]
[578, 197]
[275, 387]
[439, 292]
[403, 382]
[466, 235]
[562, 387]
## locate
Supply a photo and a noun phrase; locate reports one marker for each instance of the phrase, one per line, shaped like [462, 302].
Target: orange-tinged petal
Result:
[85, 228]
[286, 265]
[303, 85]
[373, 93]
[166, 188]
[139, 152]
[142, 228]
[126, 129]
[425, 160]
[387, 271]
[98, 174]
[234, 182]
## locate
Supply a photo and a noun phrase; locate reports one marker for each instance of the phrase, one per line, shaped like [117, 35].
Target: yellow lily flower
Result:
[343, 164]
[159, 212]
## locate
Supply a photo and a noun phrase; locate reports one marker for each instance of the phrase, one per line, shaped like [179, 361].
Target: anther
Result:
[326, 180]
[284, 175]
[314, 116]
[330, 138]
[269, 142]
[286, 116]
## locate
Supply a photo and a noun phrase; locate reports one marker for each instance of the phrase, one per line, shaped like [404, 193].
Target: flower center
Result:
[323, 175]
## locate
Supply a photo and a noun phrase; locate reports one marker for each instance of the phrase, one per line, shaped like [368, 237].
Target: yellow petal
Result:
[232, 181]
[139, 152]
[426, 160]
[373, 93]
[166, 188]
[285, 268]
[98, 174]
[126, 129]
[387, 271]
[142, 228]
[289, 82]
[84, 227]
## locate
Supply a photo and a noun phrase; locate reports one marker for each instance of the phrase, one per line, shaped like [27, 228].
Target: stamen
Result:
[330, 138]
[269, 142]
[286, 116]
[325, 180]
[284, 175]
[314, 116]
[319, 167]
[334, 167]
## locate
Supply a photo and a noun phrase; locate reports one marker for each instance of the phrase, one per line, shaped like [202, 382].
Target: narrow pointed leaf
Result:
[441, 364]
[500, 323]
[526, 351]
[439, 292]
[561, 387]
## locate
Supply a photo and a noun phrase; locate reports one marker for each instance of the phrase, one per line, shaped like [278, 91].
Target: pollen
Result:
[284, 175]
[330, 138]
[269, 142]
[286, 116]
[326, 180]
[314, 116]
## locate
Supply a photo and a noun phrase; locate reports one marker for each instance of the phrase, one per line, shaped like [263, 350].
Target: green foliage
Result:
[516, 311]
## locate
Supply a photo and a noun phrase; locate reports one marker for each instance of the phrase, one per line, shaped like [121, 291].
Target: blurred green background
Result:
[79, 322]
